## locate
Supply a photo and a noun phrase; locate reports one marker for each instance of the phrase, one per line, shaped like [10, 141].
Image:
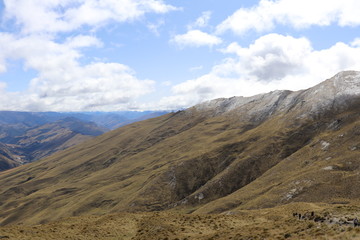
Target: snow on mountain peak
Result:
[333, 92]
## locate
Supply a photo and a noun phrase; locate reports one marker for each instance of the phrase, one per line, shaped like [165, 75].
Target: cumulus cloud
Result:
[64, 84]
[196, 38]
[298, 14]
[271, 62]
[272, 57]
[36, 16]
[65, 80]
[356, 42]
[81, 41]
[108, 86]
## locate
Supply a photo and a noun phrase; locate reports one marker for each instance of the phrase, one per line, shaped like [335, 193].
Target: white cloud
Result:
[63, 84]
[5, 38]
[196, 38]
[271, 57]
[201, 21]
[37, 16]
[356, 42]
[65, 80]
[298, 14]
[94, 86]
[2, 67]
[81, 41]
[271, 62]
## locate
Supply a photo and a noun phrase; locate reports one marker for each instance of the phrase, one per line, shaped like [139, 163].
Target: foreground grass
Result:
[275, 223]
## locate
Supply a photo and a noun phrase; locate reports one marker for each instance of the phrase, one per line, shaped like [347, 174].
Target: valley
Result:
[26, 137]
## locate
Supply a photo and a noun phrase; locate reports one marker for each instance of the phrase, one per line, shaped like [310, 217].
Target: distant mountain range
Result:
[29, 136]
[109, 120]
[218, 156]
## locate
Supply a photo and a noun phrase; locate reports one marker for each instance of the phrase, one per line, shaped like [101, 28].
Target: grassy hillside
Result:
[41, 141]
[225, 155]
[8, 159]
[44, 140]
[325, 169]
[29, 136]
[273, 223]
[6, 163]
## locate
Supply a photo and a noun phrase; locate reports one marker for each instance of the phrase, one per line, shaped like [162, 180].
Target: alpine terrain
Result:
[263, 157]
[22, 143]
[28, 136]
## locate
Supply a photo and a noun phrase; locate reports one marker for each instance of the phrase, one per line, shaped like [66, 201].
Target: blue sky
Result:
[109, 55]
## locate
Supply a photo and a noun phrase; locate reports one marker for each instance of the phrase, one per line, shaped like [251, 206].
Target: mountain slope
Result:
[41, 141]
[270, 223]
[30, 136]
[46, 139]
[224, 154]
[7, 158]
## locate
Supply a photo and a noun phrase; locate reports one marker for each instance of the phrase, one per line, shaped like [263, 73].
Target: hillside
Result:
[29, 136]
[273, 223]
[7, 158]
[46, 139]
[226, 154]
[29, 144]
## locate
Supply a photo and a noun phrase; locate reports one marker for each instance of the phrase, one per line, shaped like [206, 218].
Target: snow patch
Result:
[328, 168]
[292, 193]
[297, 187]
[199, 196]
[324, 145]
[353, 148]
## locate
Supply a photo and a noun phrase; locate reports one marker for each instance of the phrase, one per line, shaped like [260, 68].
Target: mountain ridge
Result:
[336, 89]
[222, 155]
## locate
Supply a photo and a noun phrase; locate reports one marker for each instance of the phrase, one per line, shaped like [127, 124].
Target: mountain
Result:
[46, 139]
[7, 158]
[219, 156]
[30, 136]
[113, 120]
[32, 143]
[29, 119]
[15, 123]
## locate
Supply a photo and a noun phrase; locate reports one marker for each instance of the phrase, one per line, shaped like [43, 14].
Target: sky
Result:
[116, 55]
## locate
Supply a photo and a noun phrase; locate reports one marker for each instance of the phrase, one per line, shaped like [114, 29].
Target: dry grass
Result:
[193, 162]
[274, 223]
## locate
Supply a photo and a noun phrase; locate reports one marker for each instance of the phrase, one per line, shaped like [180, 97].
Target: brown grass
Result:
[191, 161]
[272, 223]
